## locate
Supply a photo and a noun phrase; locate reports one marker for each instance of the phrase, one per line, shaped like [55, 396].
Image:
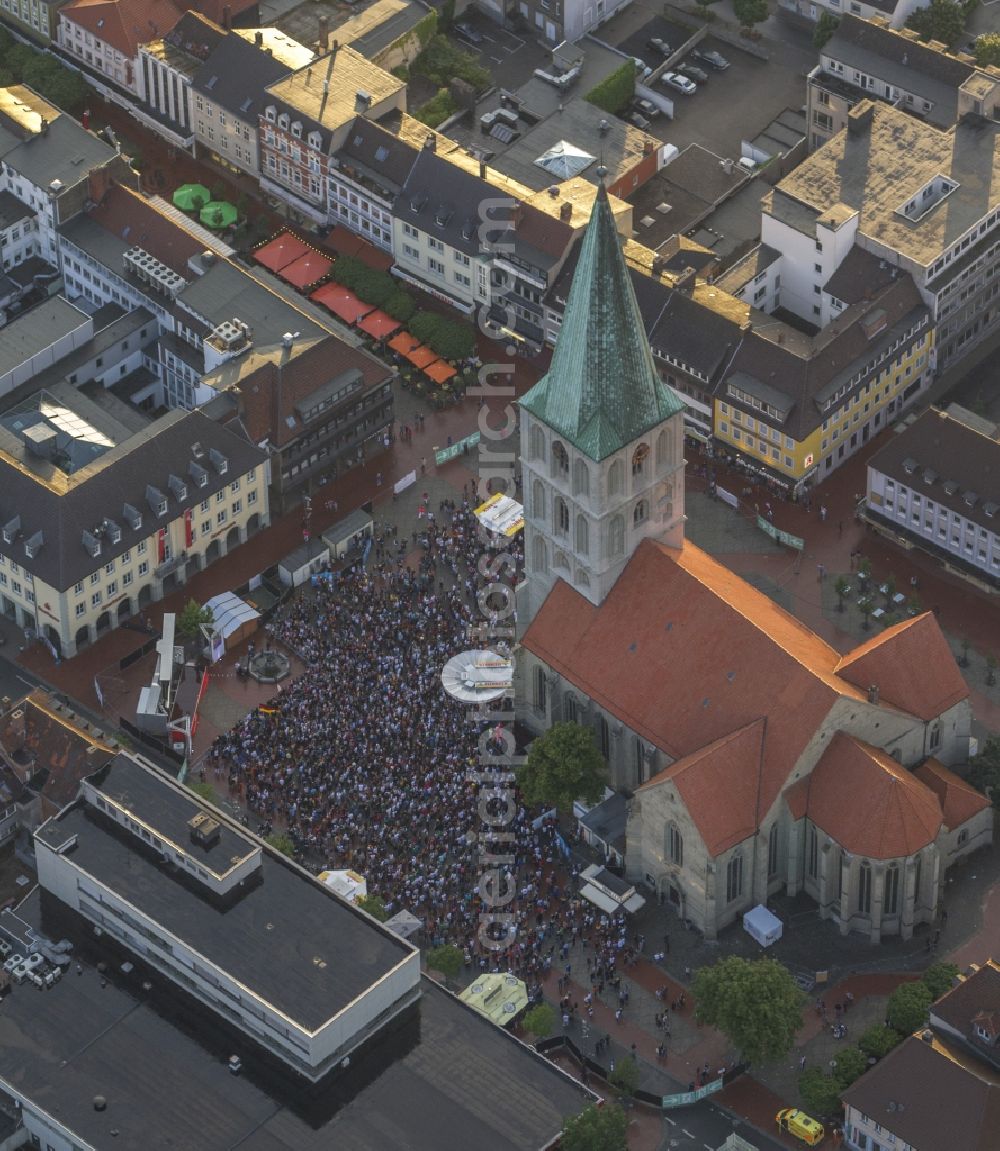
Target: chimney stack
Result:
[566, 211]
[482, 169]
[873, 693]
[430, 142]
[227, 18]
[860, 117]
[258, 39]
[324, 32]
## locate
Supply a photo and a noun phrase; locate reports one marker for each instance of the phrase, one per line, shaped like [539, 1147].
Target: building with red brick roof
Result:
[757, 758]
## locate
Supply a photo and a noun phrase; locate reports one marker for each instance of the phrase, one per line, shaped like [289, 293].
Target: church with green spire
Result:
[602, 436]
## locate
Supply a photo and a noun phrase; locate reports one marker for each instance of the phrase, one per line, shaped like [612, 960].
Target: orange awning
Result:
[306, 270]
[281, 251]
[441, 372]
[379, 325]
[342, 302]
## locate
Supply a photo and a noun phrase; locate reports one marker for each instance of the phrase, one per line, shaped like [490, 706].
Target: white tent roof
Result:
[565, 160]
[404, 924]
[229, 612]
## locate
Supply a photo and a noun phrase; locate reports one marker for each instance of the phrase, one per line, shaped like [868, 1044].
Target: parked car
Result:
[800, 1124]
[637, 120]
[681, 83]
[710, 56]
[642, 69]
[692, 71]
[749, 166]
[658, 45]
[467, 32]
[646, 108]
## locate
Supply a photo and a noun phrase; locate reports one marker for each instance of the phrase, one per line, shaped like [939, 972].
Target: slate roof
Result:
[602, 389]
[442, 200]
[236, 75]
[959, 800]
[943, 449]
[899, 815]
[63, 507]
[382, 153]
[979, 992]
[944, 1098]
[911, 665]
[907, 64]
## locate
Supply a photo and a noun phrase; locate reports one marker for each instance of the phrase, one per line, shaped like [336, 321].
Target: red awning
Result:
[281, 251]
[441, 372]
[342, 302]
[379, 325]
[306, 270]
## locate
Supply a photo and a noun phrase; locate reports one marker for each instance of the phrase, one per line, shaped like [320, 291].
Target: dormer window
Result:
[315, 140]
[11, 530]
[297, 130]
[132, 516]
[283, 121]
[92, 544]
[270, 113]
[219, 461]
[157, 501]
[178, 487]
[114, 532]
[33, 546]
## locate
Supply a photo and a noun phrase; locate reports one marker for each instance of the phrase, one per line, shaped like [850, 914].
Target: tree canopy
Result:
[820, 1093]
[826, 25]
[191, 618]
[942, 20]
[984, 771]
[625, 1077]
[596, 1129]
[755, 1003]
[750, 12]
[563, 765]
[540, 1021]
[447, 959]
[374, 905]
[988, 49]
[908, 1007]
[282, 842]
[879, 1040]
[939, 978]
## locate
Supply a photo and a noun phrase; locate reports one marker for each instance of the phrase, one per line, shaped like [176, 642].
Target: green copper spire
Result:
[602, 389]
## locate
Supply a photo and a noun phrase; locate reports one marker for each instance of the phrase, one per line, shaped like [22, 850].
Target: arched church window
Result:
[560, 460]
[640, 461]
[537, 443]
[616, 478]
[538, 500]
[582, 542]
[581, 478]
[662, 451]
[616, 536]
[640, 513]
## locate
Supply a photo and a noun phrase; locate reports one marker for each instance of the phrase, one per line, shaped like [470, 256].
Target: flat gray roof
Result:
[287, 938]
[439, 1077]
[32, 332]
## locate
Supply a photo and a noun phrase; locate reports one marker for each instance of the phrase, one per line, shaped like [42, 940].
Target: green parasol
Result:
[189, 197]
[218, 214]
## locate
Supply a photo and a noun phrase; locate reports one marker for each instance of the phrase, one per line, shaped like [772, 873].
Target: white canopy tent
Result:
[764, 926]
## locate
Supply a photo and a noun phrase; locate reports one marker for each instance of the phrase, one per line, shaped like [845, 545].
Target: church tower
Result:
[602, 437]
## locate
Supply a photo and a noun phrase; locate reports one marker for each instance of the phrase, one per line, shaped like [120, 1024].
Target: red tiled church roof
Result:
[729, 767]
[959, 801]
[898, 815]
[912, 667]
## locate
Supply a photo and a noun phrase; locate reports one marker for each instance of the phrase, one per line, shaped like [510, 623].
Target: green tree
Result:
[939, 978]
[596, 1129]
[755, 1003]
[400, 305]
[987, 49]
[908, 1007]
[942, 20]
[826, 25]
[841, 587]
[447, 959]
[282, 842]
[984, 771]
[615, 92]
[425, 325]
[879, 1040]
[866, 607]
[374, 905]
[192, 618]
[540, 1021]
[563, 765]
[453, 341]
[204, 791]
[852, 1063]
[750, 12]
[625, 1077]
[820, 1093]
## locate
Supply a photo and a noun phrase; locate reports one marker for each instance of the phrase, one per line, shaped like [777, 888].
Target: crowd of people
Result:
[363, 760]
